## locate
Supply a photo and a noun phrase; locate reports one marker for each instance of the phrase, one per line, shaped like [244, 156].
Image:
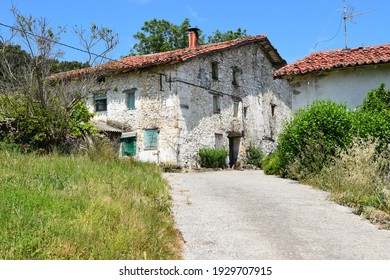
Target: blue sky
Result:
[295, 28]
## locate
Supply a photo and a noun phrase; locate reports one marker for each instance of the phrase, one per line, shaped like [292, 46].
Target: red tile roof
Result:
[329, 60]
[142, 61]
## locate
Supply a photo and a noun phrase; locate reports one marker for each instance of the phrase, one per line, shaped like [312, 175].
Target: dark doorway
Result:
[234, 147]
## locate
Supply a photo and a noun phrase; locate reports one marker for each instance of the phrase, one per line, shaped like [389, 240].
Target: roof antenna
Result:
[349, 15]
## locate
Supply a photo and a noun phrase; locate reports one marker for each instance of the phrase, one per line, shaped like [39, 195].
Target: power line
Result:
[56, 42]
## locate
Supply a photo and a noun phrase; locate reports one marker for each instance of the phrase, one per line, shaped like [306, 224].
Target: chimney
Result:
[193, 38]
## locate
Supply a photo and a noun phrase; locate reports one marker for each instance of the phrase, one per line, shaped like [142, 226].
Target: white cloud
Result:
[195, 14]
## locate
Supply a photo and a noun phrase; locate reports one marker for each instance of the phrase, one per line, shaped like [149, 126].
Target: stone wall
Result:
[257, 94]
[179, 100]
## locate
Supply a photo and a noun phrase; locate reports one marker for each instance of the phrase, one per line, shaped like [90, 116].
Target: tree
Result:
[219, 36]
[161, 36]
[46, 112]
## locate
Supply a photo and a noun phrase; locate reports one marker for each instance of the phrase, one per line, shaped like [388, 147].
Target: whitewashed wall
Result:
[349, 85]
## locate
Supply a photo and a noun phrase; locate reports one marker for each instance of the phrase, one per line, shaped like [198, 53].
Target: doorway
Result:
[234, 148]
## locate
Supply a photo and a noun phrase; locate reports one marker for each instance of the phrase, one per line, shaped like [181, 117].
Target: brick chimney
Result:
[193, 38]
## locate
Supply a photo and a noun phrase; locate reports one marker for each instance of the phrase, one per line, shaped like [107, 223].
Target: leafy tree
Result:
[46, 112]
[64, 66]
[161, 36]
[219, 36]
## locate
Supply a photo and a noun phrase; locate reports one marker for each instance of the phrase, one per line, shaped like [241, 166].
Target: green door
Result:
[129, 146]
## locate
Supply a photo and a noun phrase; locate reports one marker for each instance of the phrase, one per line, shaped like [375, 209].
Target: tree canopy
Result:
[45, 113]
[161, 36]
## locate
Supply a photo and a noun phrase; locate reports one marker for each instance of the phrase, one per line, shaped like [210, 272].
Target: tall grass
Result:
[56, 207]
[359, 177]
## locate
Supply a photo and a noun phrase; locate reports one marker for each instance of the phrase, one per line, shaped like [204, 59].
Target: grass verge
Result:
[359, 178]
[77, 207]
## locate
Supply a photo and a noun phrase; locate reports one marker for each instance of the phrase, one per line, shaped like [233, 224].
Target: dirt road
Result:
[246, 215]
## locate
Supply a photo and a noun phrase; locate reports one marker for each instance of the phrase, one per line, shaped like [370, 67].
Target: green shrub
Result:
[255, 156]
[372, 118]
[213, 157]
[272, 163]
[325, 120]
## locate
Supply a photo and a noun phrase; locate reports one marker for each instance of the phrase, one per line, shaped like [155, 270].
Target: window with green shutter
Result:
[129, 146]
[150, 138]
[130, 98]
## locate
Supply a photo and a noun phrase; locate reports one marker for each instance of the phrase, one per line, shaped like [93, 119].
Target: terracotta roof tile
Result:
[342, 58]
[142, 61]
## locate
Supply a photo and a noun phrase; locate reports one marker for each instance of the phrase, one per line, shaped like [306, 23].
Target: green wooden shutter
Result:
[150, 138]
[131, 100]
[129, 146]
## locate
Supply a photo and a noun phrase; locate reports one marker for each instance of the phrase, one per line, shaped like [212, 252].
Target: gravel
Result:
[234, 215]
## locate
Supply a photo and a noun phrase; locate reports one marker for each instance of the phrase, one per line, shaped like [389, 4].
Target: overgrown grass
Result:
[359, 177]
[56, 207]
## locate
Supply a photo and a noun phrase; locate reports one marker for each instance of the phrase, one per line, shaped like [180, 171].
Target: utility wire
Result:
[56, 42]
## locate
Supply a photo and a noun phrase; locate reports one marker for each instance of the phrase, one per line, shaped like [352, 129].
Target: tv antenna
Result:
[349, 15]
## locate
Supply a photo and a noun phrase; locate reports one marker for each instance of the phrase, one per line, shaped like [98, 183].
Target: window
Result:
[273, 107]
[218, 140]
[100, 102]
[101, 79]
[216, 104]
[130, 98]
[150, 138]
[236, 71]
[161, 82]
[129, 146]
[214, 70]
[245, 111]
[235, 108]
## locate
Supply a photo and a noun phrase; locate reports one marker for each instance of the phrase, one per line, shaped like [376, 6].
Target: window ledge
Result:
[150, 149]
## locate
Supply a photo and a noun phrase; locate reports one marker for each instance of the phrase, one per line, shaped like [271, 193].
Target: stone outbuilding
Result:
[169, 105]
[344, 75]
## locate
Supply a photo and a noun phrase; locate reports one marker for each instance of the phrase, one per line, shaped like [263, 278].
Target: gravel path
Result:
[233, 215]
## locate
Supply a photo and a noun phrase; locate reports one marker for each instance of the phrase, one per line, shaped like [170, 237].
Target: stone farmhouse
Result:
[344, 75]
[166, 106]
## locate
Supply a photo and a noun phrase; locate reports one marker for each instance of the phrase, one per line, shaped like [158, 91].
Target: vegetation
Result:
[255, 156]
[325, 123]
[46, 113]
[161, 36]
[83, 207]
[358, 177]
[342, 151]
[213, 157]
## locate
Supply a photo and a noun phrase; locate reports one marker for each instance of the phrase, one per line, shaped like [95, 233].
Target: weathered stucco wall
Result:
[155, 108]
[178, 100]
[256, 92]
[349, 85]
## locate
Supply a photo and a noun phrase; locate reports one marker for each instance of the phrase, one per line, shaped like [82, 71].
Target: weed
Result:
[82, 207]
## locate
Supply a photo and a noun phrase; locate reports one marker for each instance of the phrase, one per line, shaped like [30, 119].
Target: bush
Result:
[325, 120]
[213, 157]
[272, 163]
[255, 156]
[372, 118]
